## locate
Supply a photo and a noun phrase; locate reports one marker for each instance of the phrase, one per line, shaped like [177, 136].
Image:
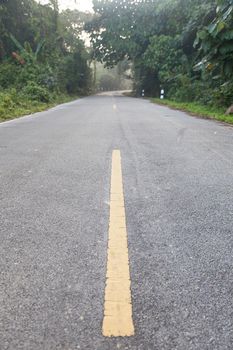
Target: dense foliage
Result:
[41, 53]
[182, 46]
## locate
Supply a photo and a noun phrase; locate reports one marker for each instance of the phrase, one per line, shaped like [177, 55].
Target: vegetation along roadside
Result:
[183, 47]
[43, 58]
[197, 109]
[14, 106]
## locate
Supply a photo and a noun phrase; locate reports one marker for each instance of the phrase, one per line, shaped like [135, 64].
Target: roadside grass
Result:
[197, 110]
[22, 106]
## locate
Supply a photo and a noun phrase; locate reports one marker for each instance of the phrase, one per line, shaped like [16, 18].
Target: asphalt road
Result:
[55, 170]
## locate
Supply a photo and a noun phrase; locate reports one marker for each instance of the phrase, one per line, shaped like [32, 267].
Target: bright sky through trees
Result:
[82, 5]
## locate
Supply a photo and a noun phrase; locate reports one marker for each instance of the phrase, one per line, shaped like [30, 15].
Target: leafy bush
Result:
[182, 89]
[7, 102]
[223, 96]
[35, 92]
[27, 74]
[187, 89]
[8, 74]
[15, 104]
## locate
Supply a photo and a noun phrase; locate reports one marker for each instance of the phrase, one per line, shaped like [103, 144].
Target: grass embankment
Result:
[197, 110]
[12, 107]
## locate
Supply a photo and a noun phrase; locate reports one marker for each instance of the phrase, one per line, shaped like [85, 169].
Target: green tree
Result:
[216, 42]
[164, 58]
[124, 29]
[40, 43]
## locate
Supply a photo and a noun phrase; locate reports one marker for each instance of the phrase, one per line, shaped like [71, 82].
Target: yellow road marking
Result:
[118, 320]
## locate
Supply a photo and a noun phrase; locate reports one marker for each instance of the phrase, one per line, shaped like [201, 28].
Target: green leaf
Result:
[202, 34]
[199, 66]
[212, 27]
[221, 25]
[39, 47]
[17, 43]
[227, 13]
[196, 42]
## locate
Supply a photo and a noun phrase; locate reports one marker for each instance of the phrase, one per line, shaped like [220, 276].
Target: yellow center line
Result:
[118, 320]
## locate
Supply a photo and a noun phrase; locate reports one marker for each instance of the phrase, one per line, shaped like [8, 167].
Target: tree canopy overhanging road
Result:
[60, 178]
